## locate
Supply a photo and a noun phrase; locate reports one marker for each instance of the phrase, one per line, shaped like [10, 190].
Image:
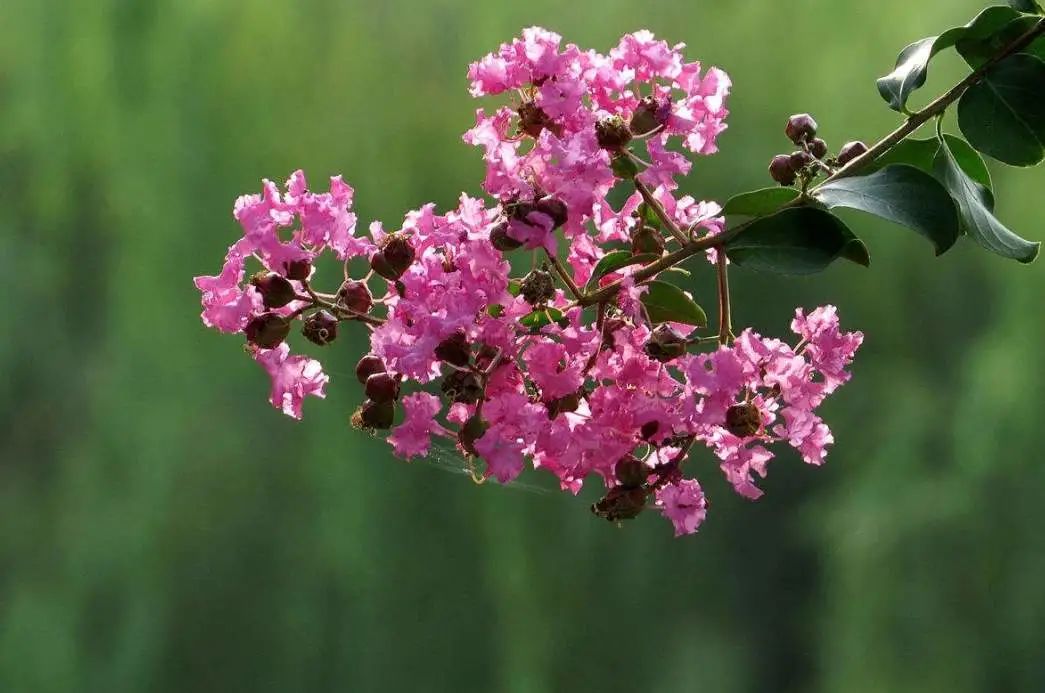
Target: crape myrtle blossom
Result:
[481, 329]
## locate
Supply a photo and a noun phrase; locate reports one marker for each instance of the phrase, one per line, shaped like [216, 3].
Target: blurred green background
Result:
[162, 528]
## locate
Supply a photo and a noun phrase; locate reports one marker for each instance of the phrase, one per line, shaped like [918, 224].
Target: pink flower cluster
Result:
[519, 371]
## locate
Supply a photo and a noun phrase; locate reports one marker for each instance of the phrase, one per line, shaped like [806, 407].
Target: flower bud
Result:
[743, 420]
[620, 504]
[612, 133]
[649, 429]
[665, 344]
[563, 405]
[610, 327]
[818, 148]
[631, 472]
[781, 170]
[537, 287]
[462, 386]
[297, 269]
[355, 296]
[554, 208]
[472, 430]
[800, 128]
[801, 159]
[454, 350]
[501, 240]
[382, 387]
[374, 415]
[647, 240]
[532, 119]
[649, 115]
[851, 151]
[267, 330]
[367, 366]
[379, 263]
[320, 328]
[399, 254]
[276, 291]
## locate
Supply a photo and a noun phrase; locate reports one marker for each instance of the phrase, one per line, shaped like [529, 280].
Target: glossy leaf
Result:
[922, 154]
[1025, 6]
[759, 203]
[541, 317]
[978, 50]
[667, 303]
[800, 240]
[976, 217]
[618, 259]
[913, 64]
[902, 194]
[1004, 115]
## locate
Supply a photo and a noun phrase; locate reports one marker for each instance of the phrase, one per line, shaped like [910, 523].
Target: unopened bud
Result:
[781, 170]
[800, 128]
[612, 133]
[320, 328]
[743, 420]
[382, 387]
[537, 287]
[276, 291]
[647, 240]
[818, 148]
[649, 115]
[501, 240]
[665, 344]
[374, 415]
[454, 350]
[851, 151]
[355, 296]
[472, 430]
[621, 504]
[532, 119]
[631, 472]
[297, 269]
[367, 366]
[801, 159]
[563, 405]
[267, 330]
[554, 208]
[462, 386]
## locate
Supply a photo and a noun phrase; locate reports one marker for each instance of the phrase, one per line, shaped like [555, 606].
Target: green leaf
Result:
[902, 194]
[667, 303]
[922, 154]
[978, 50]
[623, 167]
[618, 259]
[1025, 6]
[913, 64]
[495, 310]
[541, 317]
[976, 217]
[800, 240]
[1004, 115]
[758, 203]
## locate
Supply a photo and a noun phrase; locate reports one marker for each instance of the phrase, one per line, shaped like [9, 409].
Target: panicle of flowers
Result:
[569, 368]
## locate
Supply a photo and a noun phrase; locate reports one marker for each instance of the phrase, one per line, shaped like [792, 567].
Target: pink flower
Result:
[683, 503]
[414, 436]
[293, 378]
[226, 306]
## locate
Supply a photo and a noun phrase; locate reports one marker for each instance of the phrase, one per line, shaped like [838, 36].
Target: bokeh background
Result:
[163, 529]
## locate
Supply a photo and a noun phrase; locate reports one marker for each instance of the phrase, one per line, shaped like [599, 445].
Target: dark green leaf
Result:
[922, 154]
[541, 317]
[1025, 6]
[758, 203]
[515, 287]
[902, 194]
[976, 217]
[1004, 115]
[978, 50]
[667, 303]
[623, 167]
[495, 310]
[800, 240]
[913, 63]
[618, 259]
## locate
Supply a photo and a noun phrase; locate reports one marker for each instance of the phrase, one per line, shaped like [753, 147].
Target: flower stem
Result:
[662, 214]
[725, 320]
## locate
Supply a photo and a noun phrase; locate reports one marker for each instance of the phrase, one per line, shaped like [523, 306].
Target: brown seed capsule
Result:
[743, 420]
[649, 115]
[649, 429]
[297, 269]
[375, 415]
[382, 387]
[462, 386]
[621, 504]
[782, 171]
[563, 405]
[818, 148]
[472, 430]
[501, 240]
[554, 208]
[612, 133]
[532, 119]
[665, 344]
[399, 253]
[800, 128]
[355, 296]
[379, 263]
[454, 350]
[801, 159]
[367, 366]
[851, 151]
[267, 330]
[320, 328]
[630, 471]
[646, 240]
[276, 291]
[537, 287]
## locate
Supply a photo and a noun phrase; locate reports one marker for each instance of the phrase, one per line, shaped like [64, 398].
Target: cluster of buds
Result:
[812, 157]
[571, 368]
